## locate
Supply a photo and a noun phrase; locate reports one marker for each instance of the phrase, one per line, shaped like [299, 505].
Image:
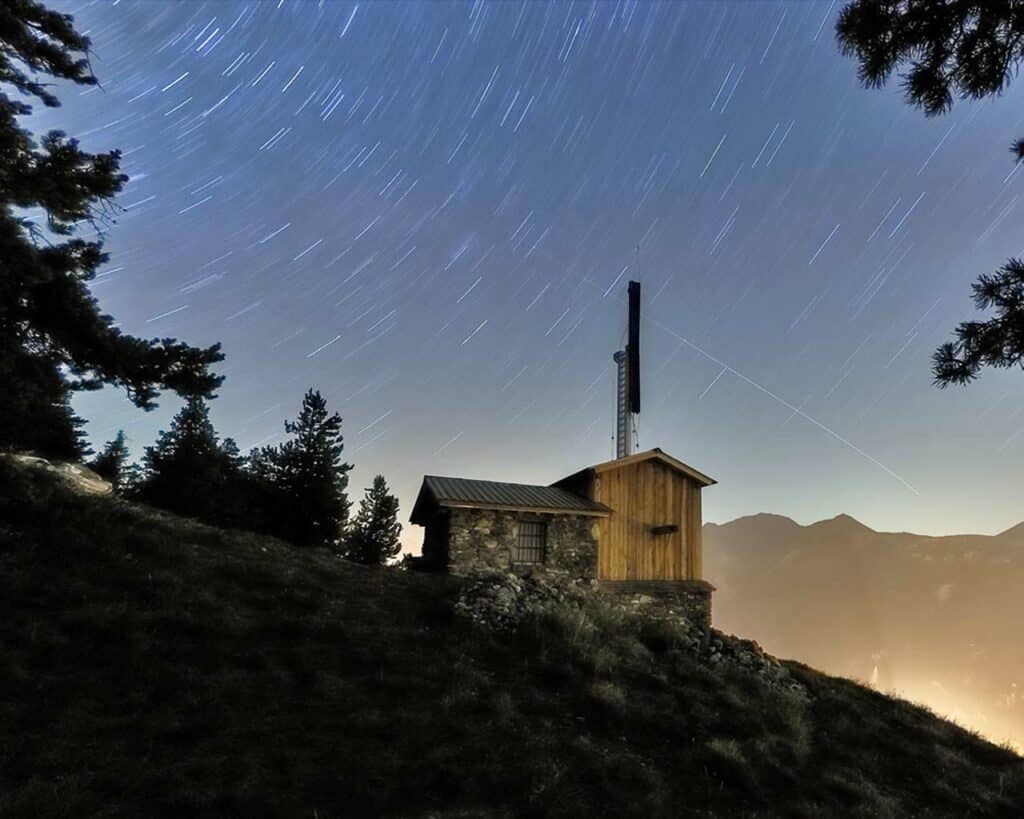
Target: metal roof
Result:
[647, 455]
[466, 492]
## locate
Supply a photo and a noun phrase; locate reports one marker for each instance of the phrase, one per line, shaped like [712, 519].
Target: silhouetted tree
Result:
[53, 337]
[998, 342]
[112, 461]
[312, 477]
[973, 49]
[262, 463]
[188, 471]
[35, 403]
[232, 456]
[373, 536]
[257, 502]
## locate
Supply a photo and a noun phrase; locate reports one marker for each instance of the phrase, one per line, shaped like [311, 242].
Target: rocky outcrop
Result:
[748, 656]
[503, 601]
[79, 478]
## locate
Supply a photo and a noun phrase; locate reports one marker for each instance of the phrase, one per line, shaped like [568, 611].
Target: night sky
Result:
[430, 212]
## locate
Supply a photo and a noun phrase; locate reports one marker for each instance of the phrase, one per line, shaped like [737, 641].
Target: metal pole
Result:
[623, 433]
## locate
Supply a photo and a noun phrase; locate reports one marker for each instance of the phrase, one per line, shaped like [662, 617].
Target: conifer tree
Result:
[53, 337]
[312, 477]
[188, 471]
[259, 501]
[973, 50]
[231, 454]
[35, 405]
[261, 463]
[996, 342]
[373, 536]
[112, 461]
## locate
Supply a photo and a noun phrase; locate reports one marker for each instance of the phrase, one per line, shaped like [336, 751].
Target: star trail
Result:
[429, 212]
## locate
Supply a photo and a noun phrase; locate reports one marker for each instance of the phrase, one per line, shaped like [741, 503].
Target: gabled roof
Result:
[467, 493]
[648, 455]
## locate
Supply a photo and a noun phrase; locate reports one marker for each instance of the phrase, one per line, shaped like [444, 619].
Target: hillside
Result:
[937, 619]
[156, 667]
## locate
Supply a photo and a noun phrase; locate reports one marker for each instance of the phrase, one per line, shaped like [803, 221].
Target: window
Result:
[533, 536]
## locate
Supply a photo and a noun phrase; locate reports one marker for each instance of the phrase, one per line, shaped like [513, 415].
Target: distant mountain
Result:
[1013, 534]
[937, 619]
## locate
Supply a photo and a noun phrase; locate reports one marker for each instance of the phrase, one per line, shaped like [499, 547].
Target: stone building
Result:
[630, 527]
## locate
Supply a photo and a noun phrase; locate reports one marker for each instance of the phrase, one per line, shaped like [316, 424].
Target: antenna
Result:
[633, 348]
[623, 439]
[627, 403]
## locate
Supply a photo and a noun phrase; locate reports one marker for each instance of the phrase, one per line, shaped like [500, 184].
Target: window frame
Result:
[538, 545]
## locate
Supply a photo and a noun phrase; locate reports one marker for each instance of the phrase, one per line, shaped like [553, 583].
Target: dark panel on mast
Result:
[633, 348]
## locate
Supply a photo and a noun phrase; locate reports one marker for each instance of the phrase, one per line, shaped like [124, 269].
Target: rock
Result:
[747, 656]
[75, 476]
[502, 601]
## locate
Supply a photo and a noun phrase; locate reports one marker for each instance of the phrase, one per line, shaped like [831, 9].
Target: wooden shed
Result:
[636, 518]
[630, 527]
[654, 530]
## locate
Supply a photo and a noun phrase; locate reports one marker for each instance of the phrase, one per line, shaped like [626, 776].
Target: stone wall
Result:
[668, 600]
[470, 541]
[480, 539]
[503, 600]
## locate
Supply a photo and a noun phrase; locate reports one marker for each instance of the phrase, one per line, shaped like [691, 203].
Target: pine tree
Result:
[373, 537]
[188, 471]
[972, 49]
[231, 454]
[35, 405]
[53, 337]
[111, 463]
[312, 477]
[998, 342]
[259, 501]
[261, 463]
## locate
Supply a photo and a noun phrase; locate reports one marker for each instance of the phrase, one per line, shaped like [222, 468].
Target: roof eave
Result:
[639, 457]
[419, 516]
[540, 510]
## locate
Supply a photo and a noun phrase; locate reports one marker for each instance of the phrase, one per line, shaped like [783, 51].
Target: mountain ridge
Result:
[1015, 532]
[934, 618]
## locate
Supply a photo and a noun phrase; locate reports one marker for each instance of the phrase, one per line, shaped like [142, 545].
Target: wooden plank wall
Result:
[644, 495]
[695, 532]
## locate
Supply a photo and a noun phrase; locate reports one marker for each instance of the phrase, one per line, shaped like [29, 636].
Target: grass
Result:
[153, 666]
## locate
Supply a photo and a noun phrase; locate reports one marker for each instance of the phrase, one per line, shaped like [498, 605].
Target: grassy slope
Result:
[151, 666]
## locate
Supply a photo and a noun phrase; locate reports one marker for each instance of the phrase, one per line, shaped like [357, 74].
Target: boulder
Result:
[73, 475]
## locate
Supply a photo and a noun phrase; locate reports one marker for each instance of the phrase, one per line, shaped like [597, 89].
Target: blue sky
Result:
[430, 212]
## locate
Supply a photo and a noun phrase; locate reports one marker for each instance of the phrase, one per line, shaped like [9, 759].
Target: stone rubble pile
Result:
[748, 656]
[502, 601]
